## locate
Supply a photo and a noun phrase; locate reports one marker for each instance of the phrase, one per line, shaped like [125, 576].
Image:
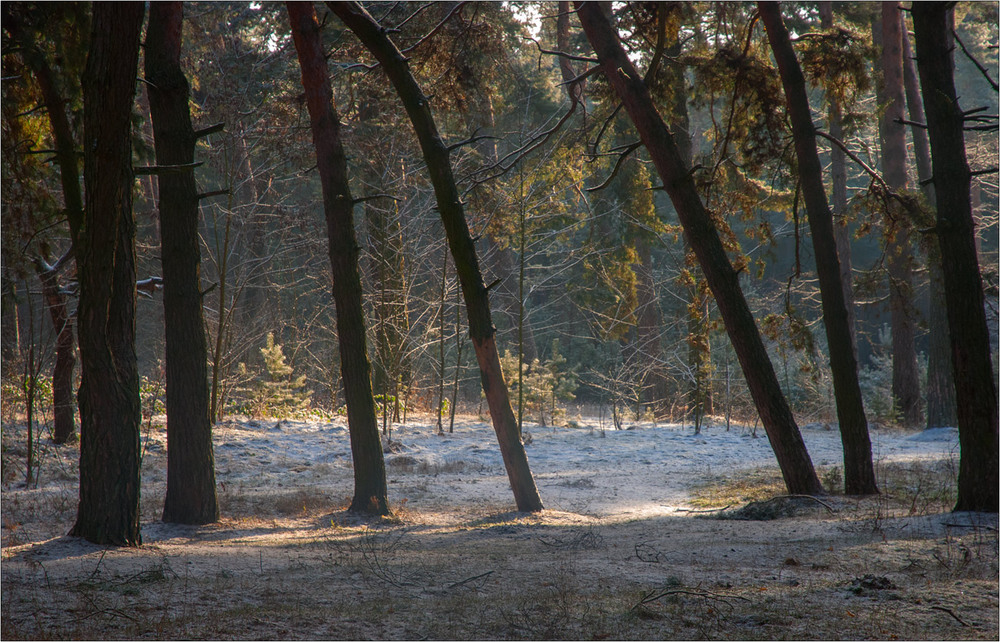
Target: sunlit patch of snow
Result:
[644, 471]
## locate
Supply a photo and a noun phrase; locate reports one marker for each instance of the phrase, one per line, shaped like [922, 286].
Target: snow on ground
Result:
[644, 470]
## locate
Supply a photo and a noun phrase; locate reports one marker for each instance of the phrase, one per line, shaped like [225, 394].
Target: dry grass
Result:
[288, 563]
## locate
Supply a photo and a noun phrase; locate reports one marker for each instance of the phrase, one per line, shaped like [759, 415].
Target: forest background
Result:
[597, 298]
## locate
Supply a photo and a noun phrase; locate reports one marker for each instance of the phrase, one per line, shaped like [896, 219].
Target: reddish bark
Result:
[463, 249]
[370, 490]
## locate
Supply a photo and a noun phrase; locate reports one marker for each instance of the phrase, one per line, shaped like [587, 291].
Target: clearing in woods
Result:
[651, 532]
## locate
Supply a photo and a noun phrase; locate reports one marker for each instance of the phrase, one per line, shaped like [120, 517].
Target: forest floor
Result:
[648, 533]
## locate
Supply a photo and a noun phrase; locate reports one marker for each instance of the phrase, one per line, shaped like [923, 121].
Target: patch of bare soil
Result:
[287, 563]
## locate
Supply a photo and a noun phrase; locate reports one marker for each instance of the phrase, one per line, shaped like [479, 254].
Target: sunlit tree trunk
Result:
[463, 250]
[775, 414]
[63, 418]
[838, 180]
[859, 473]
[370, 491]
[108, 512]
[975, 384]
[191, 496]
[899, 254]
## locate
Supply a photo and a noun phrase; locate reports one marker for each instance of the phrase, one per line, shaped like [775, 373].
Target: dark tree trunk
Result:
[975, 385]
[776, 416]
[105, 249]
[64, 410]
[463, 250]
[191, 497]
[838, 181]
[649, 326]
[941, 404]
[63, 419]
[859, 473]
[370, 491]
[899, 254]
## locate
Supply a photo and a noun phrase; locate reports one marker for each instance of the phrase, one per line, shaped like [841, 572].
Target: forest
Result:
[500, 320]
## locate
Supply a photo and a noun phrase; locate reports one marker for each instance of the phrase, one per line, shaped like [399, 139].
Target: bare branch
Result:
[163, 169]
[982, 69]
[563, 54]
[436, 28]
[618, 164]
[212, 129]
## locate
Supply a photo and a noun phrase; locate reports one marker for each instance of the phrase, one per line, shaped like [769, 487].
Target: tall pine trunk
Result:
[859, 473]
[775, 414]
[941, 410]
[899, 253]
[463, 249]
[370, 491]
[108, 512]
[838, 182]
[191, 496]
[975, 385]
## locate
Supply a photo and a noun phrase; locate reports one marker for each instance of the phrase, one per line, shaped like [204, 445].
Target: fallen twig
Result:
[951, 613]
[469, 579]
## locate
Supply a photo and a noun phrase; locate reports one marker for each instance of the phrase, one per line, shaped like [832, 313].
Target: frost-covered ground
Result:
[642, 470]
[619, 552]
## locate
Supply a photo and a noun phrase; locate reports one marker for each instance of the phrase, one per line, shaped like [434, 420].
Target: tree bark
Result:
[63, 408]
[370, 490]
[463, 249]
[975, 385]
[776, 416]
[838, 181]
[191, 496]
[859, 473]
[941, 404]
[63, 416]
[108, 512]
[899, 254]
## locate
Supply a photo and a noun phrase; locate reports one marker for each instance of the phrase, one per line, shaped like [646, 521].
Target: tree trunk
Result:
[941, 404]
[370, 491]
[63, 408]
[975, 385]
[899, 255]
[191, 497]
[109, 393]
[463, 249]
[859, 473]
[782, 432]
[838, 180]
[63, 419]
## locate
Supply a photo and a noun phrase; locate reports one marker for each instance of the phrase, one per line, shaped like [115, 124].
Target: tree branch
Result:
[982, 69]
[212, 129]
[618, 164]
[164, 169]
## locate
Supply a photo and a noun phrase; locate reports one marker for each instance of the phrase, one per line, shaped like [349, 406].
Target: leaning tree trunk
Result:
[941, 404]
[63, 416]
[899, 259]
[776, 416]
[859, 473]
[191, 496]
[975, 385]
[370, 491]
[463, 249]
[105, 249]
